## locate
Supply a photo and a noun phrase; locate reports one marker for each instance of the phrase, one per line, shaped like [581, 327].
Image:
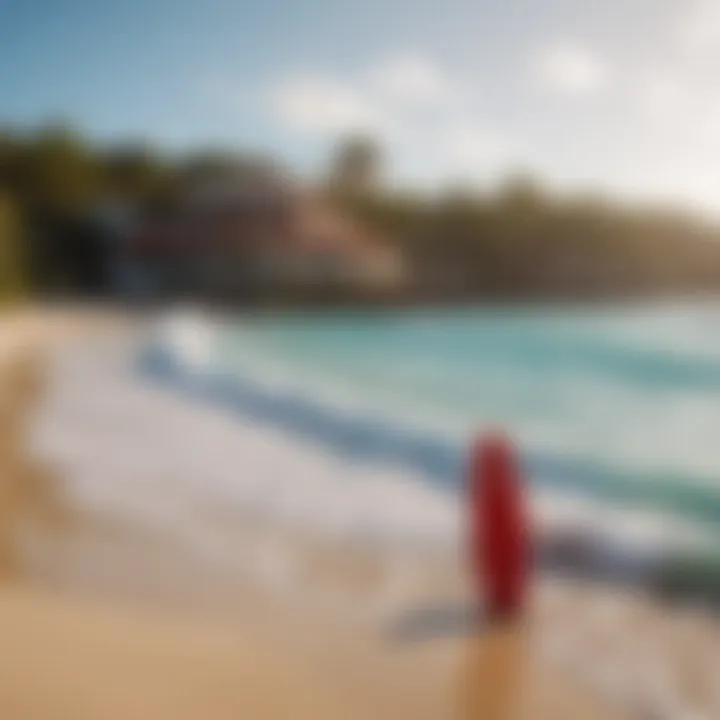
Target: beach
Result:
[131, 592]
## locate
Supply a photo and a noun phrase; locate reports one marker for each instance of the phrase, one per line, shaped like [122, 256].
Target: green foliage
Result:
[135, 173]
[12, 276]
[518, 239]
[59, 173]
[356, 166]
[11, 153]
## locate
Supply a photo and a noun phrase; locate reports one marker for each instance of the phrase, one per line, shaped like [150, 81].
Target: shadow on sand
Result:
[440, 621]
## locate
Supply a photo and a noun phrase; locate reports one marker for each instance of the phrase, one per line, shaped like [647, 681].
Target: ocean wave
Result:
[438, 460]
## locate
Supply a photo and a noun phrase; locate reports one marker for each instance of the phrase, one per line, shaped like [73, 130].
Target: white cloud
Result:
[569, 68]
[698, 30]
[426, 124]
[411, 79]
[662, 100]
[678, 95]
[684, 118]
[472, 146]
[323, 105]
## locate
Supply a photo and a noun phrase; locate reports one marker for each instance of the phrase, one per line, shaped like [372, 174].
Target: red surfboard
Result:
[499, 533]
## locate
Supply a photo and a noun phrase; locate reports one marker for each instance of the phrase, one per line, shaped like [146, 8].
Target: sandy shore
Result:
[103, 618]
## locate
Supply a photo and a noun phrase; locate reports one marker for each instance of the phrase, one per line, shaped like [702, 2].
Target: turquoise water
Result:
[620, 403]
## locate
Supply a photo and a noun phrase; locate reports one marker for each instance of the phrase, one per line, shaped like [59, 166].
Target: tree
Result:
[12, 277]
[356, 166]
[11, 157]
[135, 173]
[60, 173]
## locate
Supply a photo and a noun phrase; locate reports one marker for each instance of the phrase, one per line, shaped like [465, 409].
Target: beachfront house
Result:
[251, 230]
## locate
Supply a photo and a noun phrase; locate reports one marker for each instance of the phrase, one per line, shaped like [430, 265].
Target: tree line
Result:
[518, 239]
[51, 182]
[515, 240]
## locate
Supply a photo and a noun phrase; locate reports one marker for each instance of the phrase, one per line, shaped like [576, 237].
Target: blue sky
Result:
[619, 94]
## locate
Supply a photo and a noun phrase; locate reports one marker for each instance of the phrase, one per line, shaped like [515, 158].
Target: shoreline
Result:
[669, 556]
[161, 630]
[509, 302]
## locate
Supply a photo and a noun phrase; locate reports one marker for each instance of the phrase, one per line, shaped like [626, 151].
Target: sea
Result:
[614, 409]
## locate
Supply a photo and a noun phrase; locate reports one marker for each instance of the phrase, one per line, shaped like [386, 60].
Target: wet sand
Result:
[109, 621]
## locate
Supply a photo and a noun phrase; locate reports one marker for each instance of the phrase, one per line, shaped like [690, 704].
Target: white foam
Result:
[189, 334]
[149, 454]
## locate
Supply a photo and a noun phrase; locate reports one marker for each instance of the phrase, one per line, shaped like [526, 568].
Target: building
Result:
[251, 229]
